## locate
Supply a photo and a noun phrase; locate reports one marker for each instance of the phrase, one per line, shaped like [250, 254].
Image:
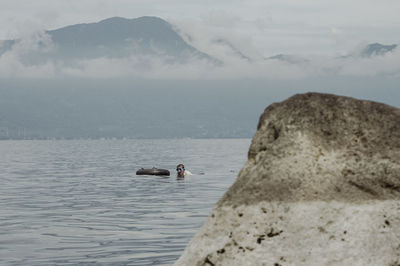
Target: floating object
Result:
[153, 171]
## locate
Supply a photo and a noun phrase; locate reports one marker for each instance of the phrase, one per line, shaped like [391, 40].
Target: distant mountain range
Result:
[370, 50]
[377, 49]
[117, 37]
[140, 37]
[292, 59]
[71, 107]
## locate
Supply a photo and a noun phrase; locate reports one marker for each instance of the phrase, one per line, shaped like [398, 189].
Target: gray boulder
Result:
[321, 187]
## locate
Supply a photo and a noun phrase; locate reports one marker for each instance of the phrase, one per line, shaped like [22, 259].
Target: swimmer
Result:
[181, 172]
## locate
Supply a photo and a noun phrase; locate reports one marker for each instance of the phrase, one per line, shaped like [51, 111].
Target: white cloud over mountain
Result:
[32, 56]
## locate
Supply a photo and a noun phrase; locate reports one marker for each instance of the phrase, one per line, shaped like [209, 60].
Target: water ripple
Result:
[80, 202]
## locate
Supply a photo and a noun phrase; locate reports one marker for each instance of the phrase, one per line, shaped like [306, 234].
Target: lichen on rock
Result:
[321, 187]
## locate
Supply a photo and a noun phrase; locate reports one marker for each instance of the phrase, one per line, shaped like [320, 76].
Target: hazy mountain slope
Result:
[377, 49]
[94, 109]
[116, 37]
[85, 108]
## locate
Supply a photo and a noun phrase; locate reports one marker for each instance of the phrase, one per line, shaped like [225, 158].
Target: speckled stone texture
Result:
[321, 187]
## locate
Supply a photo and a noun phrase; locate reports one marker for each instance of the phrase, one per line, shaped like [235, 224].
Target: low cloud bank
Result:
[29, 57]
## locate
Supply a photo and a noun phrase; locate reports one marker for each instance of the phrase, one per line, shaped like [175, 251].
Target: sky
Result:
[322, 31]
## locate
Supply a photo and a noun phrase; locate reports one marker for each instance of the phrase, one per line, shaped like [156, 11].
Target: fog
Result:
[127, 108]
[149, 78]
[30, 57]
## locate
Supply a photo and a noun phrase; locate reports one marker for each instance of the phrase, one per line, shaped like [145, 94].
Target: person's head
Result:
[180, 170]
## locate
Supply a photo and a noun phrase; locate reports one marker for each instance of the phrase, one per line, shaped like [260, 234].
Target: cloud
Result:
[275, 26]
[29, 58]
[379, 65]
[220, 42]
[24, 59]
[152, 67]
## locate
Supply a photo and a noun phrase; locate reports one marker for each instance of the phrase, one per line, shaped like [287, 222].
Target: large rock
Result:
[321, 187]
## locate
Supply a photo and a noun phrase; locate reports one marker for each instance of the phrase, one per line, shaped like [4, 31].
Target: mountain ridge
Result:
[374, 49]
[118, 37]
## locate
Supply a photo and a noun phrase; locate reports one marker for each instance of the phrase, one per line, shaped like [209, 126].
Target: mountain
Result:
[370, 50]
[377, 49]
[291, 59]
[75, 108]
[114, 37]
[232, 48]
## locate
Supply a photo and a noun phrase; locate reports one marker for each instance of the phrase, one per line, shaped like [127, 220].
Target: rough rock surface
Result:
[321, 187]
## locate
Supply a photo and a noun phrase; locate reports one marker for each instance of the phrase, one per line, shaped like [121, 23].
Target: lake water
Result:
[80, 202]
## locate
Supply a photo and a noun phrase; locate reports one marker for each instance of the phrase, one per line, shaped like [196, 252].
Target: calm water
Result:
[81, 203]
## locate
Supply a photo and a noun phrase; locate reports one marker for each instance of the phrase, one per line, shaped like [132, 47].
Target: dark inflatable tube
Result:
[153, 171]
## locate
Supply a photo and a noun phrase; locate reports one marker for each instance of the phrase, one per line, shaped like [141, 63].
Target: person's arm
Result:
[188, 172]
